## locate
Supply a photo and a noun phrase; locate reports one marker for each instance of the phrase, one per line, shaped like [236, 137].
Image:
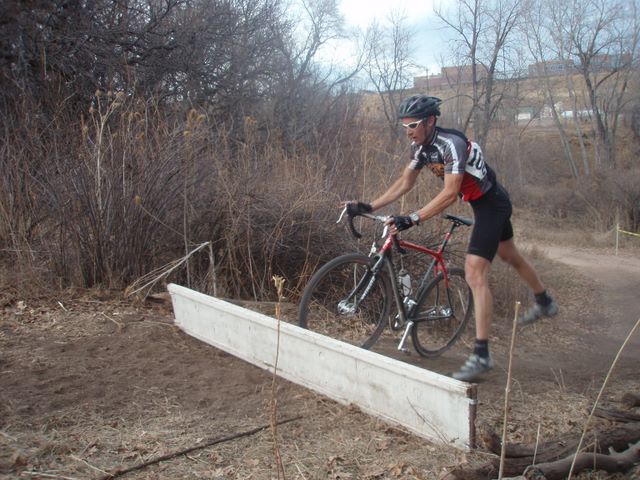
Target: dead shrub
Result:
[560, 205]
[129, 186]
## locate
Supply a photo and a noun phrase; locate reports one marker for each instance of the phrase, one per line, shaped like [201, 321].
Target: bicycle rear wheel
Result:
[346, 301]
[441, 314]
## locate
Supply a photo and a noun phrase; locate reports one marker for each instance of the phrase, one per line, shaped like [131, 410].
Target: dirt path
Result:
[619, 278]
[576, 349]
[603, 320]
[90, 383]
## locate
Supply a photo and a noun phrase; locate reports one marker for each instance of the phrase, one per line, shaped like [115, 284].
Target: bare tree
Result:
[389, 65]
[601, 38]
[304, 98]
[538, 31]
[485, 30]
[195, 50]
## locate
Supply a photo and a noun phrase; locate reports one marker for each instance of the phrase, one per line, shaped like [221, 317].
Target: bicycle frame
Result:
[383, 256]
[436, 266]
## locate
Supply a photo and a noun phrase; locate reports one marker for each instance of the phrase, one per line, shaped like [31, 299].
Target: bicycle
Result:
[349, 298]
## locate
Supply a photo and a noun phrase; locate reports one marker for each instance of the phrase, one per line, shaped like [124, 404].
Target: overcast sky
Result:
[429, 44]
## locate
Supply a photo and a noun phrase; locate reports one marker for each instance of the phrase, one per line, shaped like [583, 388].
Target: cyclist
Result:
[460, 163]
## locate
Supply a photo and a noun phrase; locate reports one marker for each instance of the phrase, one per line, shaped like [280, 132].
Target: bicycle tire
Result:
[325, 306]
[442, 314]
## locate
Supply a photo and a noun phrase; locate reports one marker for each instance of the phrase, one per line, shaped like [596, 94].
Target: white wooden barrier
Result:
[431, 405]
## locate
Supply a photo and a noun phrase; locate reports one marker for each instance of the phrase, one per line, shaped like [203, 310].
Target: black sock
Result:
[543, 299]
[481, 348]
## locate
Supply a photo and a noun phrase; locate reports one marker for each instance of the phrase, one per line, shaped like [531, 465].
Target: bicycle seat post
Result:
[455, 223]
[446, 238]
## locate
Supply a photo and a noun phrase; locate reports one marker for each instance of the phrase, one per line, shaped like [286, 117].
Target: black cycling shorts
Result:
[492, 214]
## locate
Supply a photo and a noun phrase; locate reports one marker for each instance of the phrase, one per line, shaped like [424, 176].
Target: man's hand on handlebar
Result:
[355, 208]
[399, 223]
[393, 224]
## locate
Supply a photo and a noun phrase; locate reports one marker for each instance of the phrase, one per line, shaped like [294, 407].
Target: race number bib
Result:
[475, 163]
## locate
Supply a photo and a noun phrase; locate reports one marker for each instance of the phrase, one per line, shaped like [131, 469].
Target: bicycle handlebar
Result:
[354, 232]
[457, 221]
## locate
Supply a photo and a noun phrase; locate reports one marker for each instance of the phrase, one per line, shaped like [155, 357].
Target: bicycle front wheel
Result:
[441, 314]
[346, 301]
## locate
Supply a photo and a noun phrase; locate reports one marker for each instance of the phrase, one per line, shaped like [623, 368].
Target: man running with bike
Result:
[460, 163]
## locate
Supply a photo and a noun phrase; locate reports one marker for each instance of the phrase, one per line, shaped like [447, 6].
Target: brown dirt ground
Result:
[90, 383]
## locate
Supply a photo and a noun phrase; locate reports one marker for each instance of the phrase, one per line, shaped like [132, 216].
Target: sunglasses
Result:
[413, 125]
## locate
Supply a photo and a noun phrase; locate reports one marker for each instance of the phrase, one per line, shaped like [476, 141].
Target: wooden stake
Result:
[507, 390]
[279, 283]
[604, 384]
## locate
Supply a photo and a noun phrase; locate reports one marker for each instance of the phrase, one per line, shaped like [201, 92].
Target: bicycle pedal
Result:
[406, 351]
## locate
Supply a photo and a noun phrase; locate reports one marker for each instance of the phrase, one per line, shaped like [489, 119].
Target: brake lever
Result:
[344, 210]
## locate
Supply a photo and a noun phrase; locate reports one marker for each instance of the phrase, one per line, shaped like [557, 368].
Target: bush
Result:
[128, 187]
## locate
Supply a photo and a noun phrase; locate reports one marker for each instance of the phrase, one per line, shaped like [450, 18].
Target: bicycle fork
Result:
[351, 304]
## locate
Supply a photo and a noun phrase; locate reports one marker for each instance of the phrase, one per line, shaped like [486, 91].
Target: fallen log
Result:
[616, 415]
[521, 456]
[631, 400]
[615, 437]
[492, 442]
[612, 463]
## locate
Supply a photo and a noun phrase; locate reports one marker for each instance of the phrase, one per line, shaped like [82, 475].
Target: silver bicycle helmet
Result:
[419, 106]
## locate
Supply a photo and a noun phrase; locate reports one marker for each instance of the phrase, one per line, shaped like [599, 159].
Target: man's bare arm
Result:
[447, 196]
[401, 186]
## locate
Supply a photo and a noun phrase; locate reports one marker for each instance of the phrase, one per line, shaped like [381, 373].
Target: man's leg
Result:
[508, 252]
[476, 270]
[544, 305]
[491, 224]
[477, 275]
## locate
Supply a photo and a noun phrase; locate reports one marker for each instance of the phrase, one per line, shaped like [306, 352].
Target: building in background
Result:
[463, 74]
[456, 75]
[553, 67]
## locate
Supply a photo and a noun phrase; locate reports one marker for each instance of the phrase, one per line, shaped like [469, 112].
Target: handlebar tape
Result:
[354, 232]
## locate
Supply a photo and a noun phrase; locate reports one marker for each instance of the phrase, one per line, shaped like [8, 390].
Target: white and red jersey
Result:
[451, 152]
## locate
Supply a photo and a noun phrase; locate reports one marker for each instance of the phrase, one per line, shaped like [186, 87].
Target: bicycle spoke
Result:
[442, 314]
[345, 302]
